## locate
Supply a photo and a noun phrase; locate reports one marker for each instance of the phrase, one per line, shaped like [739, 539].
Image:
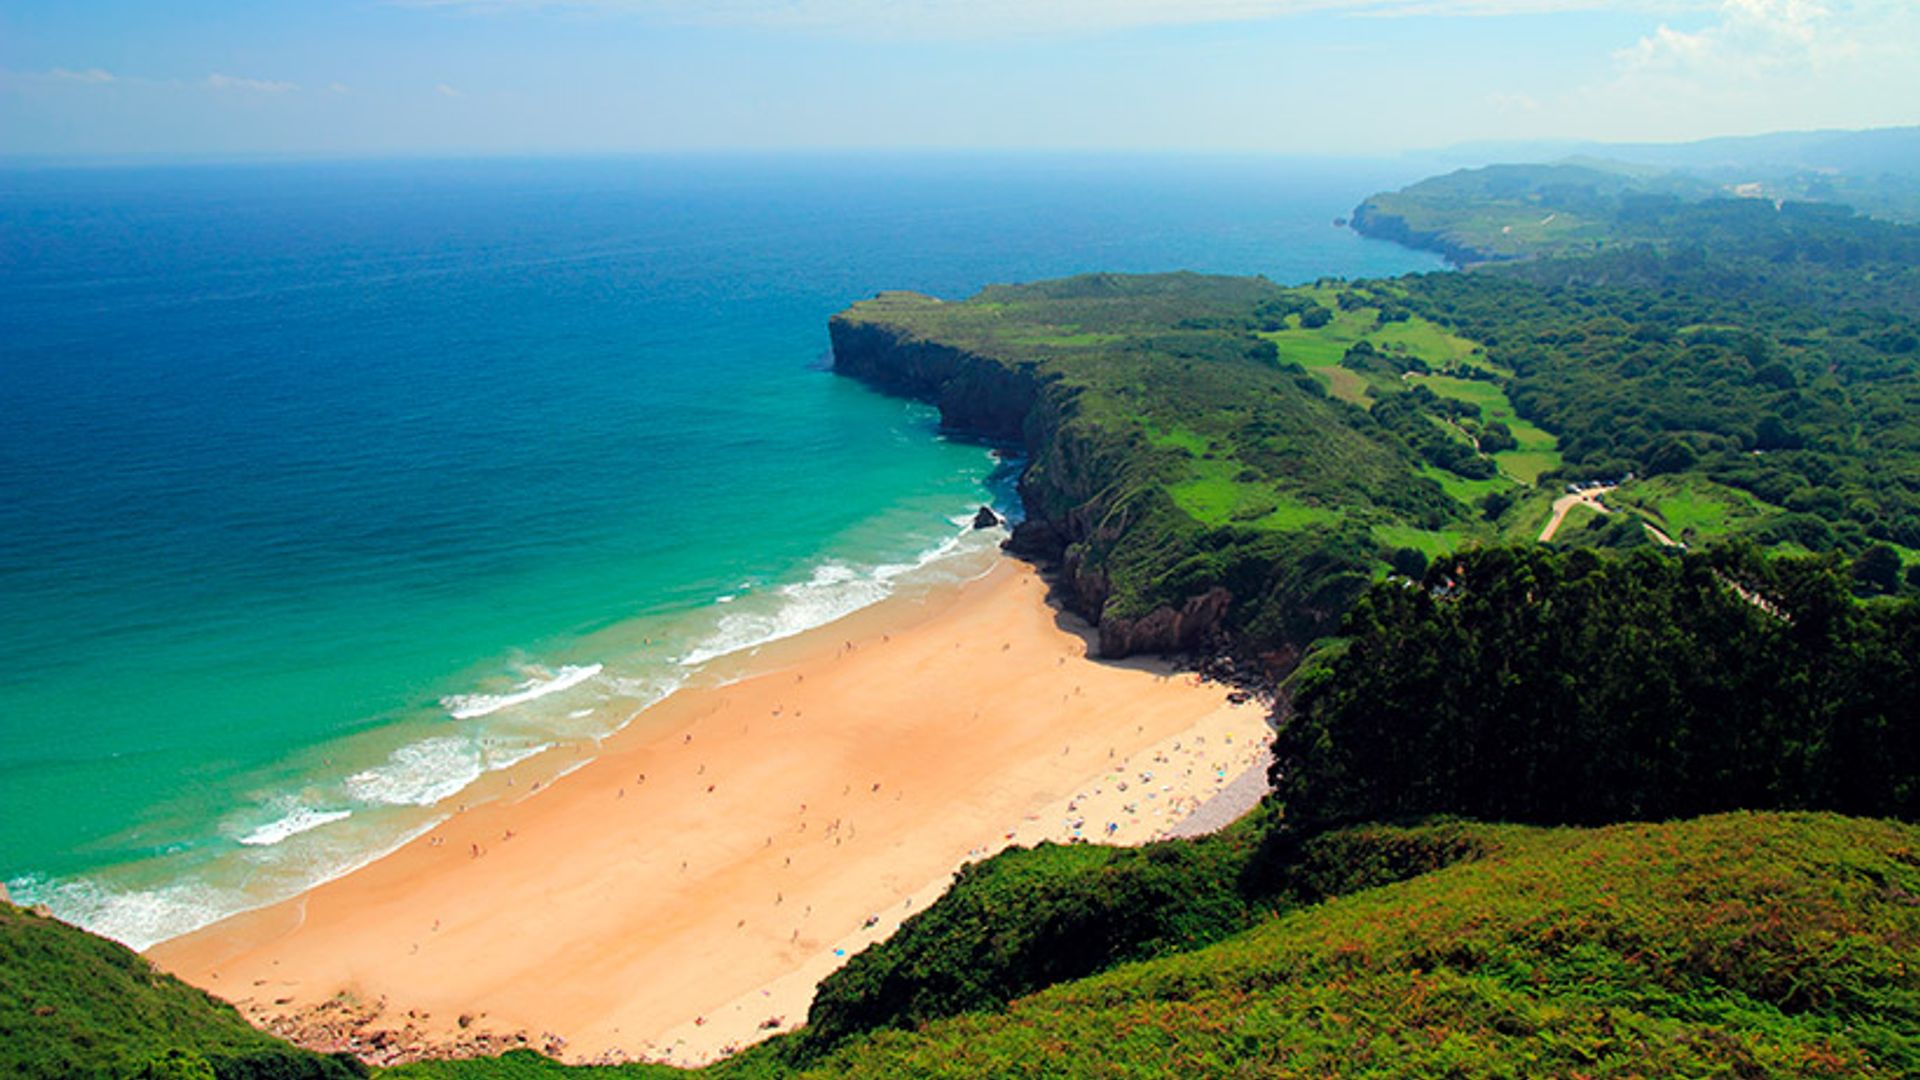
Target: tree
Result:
[1409, 562]
[1877, 571]
[175, 1064]
[1496, 437]
[1586, 686]
[1495, 503]
[1774, 434]
[1673, 456]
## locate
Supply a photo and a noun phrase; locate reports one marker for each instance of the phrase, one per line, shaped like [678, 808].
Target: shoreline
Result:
[679, 890]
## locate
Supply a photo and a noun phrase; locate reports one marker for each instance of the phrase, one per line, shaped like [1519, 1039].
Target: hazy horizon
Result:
[1328, 78]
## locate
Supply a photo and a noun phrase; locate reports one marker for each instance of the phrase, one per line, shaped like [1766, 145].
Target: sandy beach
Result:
[681, 892]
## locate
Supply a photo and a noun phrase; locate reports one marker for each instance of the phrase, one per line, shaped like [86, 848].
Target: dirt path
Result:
[1565, 503]
[1661, 538]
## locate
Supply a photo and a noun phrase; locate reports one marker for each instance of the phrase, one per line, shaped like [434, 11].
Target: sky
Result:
[1335, 77]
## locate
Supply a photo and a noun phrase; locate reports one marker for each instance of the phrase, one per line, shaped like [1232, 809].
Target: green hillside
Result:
[78, 1007]
[1190, 433]
[1194, 438]
[1518, 211]
[1738, 945]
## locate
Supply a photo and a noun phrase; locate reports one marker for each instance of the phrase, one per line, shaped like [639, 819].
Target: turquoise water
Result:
[331, 487]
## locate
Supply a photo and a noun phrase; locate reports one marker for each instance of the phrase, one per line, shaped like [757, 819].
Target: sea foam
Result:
[302, 819]
[834, 591]
[474, 706]
[140, 917]
[135, 918]
[419, 774]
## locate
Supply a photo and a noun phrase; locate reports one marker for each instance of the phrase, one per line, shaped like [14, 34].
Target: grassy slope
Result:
[1166, 370]
[75, 1006]
[1234, 438]
[1741, 945]
[1745, 945]
[1693, 508]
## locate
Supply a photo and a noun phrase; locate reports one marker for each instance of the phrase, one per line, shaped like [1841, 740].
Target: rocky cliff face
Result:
[976, 395]
[1370, 221]
[1068, 522]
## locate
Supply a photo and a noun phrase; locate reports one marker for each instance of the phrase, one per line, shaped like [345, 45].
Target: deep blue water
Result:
[317, 476]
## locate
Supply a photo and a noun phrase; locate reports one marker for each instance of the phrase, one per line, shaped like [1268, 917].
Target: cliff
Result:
[1068, 484]
[1371, 221]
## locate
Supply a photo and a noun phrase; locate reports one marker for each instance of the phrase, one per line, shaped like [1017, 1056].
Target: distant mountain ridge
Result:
[1876, 171]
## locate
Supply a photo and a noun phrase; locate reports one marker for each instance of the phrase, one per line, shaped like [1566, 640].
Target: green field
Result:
[1693, 508]
[1213, 496]
[1431, 542]
[1528, 516]
[1538, 451]
[1581, 516]
[1467, 493]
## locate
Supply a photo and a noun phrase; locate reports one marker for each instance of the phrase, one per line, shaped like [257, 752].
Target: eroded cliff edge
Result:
[1065, 487]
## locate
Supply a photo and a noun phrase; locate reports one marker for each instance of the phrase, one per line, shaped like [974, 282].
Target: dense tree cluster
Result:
[1815, 412]
[1534, 685]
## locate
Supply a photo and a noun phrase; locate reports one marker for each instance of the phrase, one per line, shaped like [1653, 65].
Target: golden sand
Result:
[683, 892]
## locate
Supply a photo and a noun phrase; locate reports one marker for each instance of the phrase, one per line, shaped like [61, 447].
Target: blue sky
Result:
[239, 77]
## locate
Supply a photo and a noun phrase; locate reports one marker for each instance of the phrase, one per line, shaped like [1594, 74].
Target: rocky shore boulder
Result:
[986, 518]
[1036, 539]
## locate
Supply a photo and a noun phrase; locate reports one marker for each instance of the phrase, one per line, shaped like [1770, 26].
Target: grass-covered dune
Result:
[77, 1007]
[1753, 945]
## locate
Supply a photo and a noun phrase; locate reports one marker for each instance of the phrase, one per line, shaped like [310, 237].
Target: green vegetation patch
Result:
[1747, 945]
[1467, 493]
[1198, 452]
[77, 1007]
[1430, 542]
[1693, 508]
[1223, 492]
[1528, 684]
[1535, 450]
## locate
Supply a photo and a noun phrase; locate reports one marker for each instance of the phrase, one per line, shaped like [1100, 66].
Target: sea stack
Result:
[986, 518]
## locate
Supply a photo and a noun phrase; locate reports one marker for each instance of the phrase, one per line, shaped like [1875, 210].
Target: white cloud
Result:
[217, 81]
[94, 76]
[1772, 64]
[446, 91]
[1750, 37]
[339, 88]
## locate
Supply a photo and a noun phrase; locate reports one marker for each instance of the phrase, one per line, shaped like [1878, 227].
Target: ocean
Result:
[330, 487]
